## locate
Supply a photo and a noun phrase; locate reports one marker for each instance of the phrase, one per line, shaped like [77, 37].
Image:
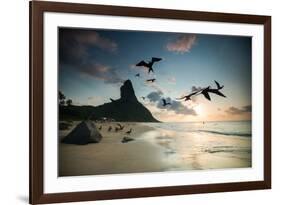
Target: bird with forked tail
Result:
[149, 64]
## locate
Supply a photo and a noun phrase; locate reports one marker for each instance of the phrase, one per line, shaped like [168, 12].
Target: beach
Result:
[155, 148]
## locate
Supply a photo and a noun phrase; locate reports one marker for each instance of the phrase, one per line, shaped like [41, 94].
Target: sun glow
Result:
[199, 110]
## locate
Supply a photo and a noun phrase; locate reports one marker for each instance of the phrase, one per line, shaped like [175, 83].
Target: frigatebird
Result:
[208, 90]
[165, 102]
[137, 75]
[129, 132]
[120, 126]
[149, 64]
[151, 80]
[187, 97]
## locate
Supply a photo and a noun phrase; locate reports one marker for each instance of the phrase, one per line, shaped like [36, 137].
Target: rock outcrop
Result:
[84, 133]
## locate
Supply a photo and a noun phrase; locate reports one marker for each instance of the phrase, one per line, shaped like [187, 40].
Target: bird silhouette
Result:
[137, 75]
[100, 127]
[149, 64]
[151, 80]
[165, 102]
[187, 97]
[116, 129]
[129, 132]
[208, 90]
[120, 126]
[109, 129]
[219, 87]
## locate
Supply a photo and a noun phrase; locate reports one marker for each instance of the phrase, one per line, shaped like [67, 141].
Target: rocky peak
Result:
[127, 91]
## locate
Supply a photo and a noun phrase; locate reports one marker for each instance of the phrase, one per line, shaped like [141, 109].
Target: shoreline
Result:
[153, 150]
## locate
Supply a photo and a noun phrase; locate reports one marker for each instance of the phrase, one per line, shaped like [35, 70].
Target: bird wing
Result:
[194, 93]
[181, 98]
[218, 85]
[142, 63]
[206, 95]
[218, 93]
[154, 59]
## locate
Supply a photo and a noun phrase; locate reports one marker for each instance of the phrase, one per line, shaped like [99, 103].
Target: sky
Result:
[93, 64]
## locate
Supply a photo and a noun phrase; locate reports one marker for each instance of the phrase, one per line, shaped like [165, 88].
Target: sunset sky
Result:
[94, 63]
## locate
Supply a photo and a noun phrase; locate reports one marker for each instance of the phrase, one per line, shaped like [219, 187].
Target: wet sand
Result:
[153, 150]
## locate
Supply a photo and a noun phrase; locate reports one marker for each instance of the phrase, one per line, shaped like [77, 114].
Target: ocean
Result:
[227, 128]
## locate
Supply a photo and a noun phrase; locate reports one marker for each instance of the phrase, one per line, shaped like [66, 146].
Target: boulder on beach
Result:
[84, 133]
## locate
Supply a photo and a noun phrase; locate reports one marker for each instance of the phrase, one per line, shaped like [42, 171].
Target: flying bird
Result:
[165, 102]
[208, 90]
[219, 87]
[137, 75]
[151, 80]
[149, 64]
[187, 97]
[129, 132]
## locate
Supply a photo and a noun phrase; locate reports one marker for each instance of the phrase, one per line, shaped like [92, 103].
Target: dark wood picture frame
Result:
[37, 8]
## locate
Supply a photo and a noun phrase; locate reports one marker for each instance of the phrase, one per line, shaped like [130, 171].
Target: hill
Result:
[127, 108]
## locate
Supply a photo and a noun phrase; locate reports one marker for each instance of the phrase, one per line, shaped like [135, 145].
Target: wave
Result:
[227, 133]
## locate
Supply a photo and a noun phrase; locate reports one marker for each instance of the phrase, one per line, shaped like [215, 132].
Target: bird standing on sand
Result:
[149, 64]
[116, 129]
[165, 102]
[120, 126]
[100, 127]
[109, 129]
[151, 80]
[129, 132]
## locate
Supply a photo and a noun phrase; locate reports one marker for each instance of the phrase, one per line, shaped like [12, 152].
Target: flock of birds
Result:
[204, 91]
[118, 128]
[149, 65]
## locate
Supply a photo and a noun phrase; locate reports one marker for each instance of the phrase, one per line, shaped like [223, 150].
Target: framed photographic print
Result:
[135, 102]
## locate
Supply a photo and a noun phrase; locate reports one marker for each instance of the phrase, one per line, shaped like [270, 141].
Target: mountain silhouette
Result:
[126, 108]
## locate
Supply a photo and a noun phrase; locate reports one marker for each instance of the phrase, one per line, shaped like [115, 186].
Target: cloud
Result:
[182, 44]
[74, 51]
[176, 106]
[238, 111]
[172, 80]
[93, 38]
[101, 72]
[154, 96]
[195, 89]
